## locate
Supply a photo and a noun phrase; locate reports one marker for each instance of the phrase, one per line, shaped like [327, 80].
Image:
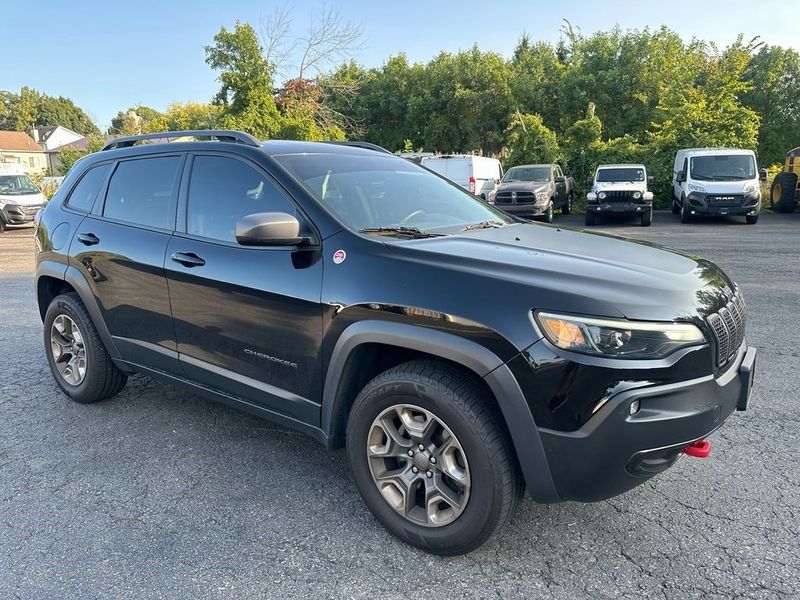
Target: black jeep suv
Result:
[460, 355]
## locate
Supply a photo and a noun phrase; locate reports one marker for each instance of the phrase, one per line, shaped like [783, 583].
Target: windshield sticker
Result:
[339, 256]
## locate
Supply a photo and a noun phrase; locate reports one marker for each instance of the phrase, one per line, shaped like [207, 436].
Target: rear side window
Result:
[142, 191]
[82, 197]
[222, 190]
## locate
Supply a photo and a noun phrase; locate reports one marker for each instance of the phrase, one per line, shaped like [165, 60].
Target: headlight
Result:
[602, 195]
[617, 338]
[541, 196]
[750, 189]
[637, 195]
[694, 187]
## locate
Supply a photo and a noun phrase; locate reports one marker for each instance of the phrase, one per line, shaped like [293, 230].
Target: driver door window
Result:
[222, 190]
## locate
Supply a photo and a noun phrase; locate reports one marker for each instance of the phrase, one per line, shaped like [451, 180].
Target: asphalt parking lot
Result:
[159, 493]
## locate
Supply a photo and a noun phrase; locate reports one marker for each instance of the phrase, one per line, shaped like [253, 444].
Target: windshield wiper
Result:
[483, 225]
[403, 230]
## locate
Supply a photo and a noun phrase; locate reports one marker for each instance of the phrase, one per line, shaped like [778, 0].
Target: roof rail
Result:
[365, 145]
[223, 135]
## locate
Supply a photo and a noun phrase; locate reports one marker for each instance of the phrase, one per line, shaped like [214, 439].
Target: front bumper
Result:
[619, 207]
[531, 209]
[699, 205]
[615, 450]
[14, 214]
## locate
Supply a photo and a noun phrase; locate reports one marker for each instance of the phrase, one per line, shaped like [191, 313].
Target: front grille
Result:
[619, 196]
[505, 197]
[724, 199]
[728, 327]
[30, 210]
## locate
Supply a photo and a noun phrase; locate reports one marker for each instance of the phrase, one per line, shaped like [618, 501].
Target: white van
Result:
[479, 175]
[716, 181]
[20, 199]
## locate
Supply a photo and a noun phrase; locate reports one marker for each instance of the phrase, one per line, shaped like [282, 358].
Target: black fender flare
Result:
[75, 278]
[484, 363]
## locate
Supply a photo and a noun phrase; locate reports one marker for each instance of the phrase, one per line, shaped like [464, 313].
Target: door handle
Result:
[188, 259]
[88, 239]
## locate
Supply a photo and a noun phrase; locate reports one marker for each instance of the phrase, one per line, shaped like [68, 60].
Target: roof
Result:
[701, 151]
[81, 144]
[276, 147]
[18, 141]
[621, 166]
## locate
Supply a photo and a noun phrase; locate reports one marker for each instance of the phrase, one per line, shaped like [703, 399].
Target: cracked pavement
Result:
[160, 493]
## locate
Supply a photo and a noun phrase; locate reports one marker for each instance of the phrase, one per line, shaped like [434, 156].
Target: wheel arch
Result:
[345, 377]
[54, 279]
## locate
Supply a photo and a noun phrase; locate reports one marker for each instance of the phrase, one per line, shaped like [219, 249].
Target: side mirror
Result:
[270, 229]
[560, 179]
[762, 174]
[650, 180]
[680, 176]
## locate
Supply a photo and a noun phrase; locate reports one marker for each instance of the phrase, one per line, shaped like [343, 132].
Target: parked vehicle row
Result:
[706, 181]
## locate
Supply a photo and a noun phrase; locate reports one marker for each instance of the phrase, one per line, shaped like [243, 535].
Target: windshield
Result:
[17, 185]
[527, 174]
[622, 174]
[723, 167]
[371, 192]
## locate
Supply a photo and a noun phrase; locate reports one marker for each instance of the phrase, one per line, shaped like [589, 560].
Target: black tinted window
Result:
[141, 191]
[223, 190]
[82, 197]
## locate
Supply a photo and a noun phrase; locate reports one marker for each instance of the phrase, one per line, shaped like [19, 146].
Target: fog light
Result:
[634, 408]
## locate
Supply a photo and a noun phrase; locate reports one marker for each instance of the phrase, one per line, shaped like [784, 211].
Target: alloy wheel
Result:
[68, 349]
[418, 465]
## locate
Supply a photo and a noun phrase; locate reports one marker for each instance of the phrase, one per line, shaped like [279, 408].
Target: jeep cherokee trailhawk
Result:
[460, 355]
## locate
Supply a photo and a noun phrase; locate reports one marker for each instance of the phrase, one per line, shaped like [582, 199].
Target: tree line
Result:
[614, 96]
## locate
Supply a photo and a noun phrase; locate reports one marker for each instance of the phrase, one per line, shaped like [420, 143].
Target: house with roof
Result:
[55, 139]
[19, 148]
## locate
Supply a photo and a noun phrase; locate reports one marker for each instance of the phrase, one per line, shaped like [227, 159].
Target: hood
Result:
[572, 270]
[524, 186]
[726, 187]
[600, 186]
[23, 199]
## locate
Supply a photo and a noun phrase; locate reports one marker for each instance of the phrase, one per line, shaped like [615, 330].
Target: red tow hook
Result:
[699, 449]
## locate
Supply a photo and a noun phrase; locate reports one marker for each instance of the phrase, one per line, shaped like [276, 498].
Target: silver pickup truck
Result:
[535, 191]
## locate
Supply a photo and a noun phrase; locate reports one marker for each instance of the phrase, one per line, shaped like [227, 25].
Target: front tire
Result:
[431, 458]
[590, 219]
[78, 360]
[548, 216]
[647, 218]
[686, 216]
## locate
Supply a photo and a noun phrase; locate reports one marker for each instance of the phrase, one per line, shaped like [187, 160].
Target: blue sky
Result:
[109, 55]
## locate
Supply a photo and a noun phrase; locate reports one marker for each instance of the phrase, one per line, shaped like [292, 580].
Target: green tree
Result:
[773, 75]
[246, 94]
[137, 119]
[529, 141]
[69, 156]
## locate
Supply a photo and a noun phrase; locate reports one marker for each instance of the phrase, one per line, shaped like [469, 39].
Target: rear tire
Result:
[567, 208]
[78, 360]
[782, 195]
[686, 216]
[439, 406]
[590, 219]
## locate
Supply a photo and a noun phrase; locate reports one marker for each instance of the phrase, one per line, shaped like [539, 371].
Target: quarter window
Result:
[223, 190]
[82, 197]
[141, 192]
